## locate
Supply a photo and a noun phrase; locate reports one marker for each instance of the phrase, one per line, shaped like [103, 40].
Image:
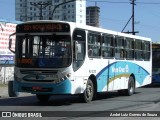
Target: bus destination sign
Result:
[42, 27]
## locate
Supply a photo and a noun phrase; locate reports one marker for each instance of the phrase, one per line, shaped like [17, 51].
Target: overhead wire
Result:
[122, 21]
[154, 3]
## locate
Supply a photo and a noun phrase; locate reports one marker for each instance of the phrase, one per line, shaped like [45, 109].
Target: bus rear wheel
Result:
[88, 94]
[42, 98]
[131, 87]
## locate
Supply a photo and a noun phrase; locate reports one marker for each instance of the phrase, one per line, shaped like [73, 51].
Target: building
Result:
[92, 16]
[27, 10]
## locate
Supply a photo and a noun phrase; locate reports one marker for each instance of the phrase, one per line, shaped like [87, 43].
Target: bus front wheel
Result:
[11, 91]
[88, 94]
[42, 98]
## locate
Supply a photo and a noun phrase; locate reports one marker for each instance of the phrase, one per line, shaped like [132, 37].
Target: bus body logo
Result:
[120, 69]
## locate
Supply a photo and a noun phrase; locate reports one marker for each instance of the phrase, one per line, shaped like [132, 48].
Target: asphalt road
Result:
[145, 99]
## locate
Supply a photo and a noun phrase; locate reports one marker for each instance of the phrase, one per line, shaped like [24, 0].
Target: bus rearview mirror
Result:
[10, 42]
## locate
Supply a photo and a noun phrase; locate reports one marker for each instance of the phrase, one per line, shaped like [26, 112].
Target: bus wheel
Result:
[88, 94]
[42, 98]
[131, 87]
[11, 91]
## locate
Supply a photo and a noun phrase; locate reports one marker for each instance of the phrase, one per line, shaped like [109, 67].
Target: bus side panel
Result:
[80, 79]
[120, 72]
[94, 65]
[143, 73]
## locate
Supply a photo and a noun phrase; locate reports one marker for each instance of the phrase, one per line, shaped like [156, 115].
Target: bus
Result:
[155, 63]
[56, 57]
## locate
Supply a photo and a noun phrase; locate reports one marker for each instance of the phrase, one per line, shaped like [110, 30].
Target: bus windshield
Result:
[43, 51]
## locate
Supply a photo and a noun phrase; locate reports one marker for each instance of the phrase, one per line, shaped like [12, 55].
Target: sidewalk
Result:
[4, 92]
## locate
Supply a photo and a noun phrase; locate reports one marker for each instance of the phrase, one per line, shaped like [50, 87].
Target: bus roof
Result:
[91, 28]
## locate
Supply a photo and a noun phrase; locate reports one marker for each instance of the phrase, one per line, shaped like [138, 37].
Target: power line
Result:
[154, 3]
[105, 1]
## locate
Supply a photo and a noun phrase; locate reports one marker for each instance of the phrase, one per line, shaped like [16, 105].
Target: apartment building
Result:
[64, 10]
[92, 16]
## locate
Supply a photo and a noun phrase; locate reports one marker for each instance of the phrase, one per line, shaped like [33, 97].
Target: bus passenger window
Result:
[94, 45]
[122, 54]
[90, 52]
[107, 45]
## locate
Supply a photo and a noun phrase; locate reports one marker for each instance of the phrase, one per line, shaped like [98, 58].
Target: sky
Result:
[114, 14]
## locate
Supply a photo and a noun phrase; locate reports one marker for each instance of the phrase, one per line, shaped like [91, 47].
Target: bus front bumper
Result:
[43, 88]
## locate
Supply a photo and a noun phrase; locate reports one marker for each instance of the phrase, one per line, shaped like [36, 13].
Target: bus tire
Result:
[88, 94]
[131, 87]
[42, 97]
[11, 91]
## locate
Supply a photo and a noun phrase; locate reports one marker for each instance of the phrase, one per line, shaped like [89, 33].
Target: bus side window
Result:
[107, 45]
[120, 48]
[94, 49]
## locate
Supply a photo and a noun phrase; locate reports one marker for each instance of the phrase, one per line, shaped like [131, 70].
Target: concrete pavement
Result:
[4, 92]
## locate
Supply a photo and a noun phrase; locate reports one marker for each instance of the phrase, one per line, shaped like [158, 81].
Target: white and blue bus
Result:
[55, 57]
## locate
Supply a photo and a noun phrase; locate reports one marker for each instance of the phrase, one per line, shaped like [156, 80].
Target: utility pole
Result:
[41, 5]
[60, 5]
[132, 17]
[133, 4]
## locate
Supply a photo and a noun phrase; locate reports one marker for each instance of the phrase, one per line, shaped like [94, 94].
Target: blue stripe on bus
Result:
[120, 68]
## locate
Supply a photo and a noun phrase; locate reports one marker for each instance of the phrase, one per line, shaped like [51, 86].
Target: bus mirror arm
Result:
[10, 42]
